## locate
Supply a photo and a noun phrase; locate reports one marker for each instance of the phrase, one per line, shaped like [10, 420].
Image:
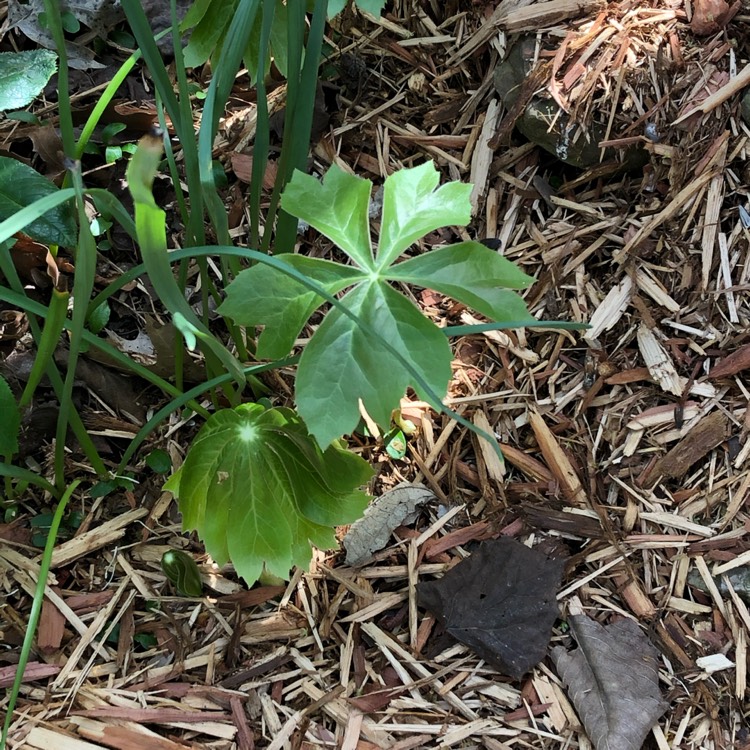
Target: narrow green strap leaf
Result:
[150, 223]
[53, 327]
[36, 609]
[11, 423]
[25, 475]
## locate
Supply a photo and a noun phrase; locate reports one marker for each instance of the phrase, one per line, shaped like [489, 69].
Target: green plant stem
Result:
[262, 127]
[18, 298]
[218, 92]
[83, 286]
[63, 94]
[50, 338]
[301, 123]
[36, 608]
[105, 100]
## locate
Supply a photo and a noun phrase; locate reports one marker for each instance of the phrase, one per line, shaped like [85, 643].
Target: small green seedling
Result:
[182, 571]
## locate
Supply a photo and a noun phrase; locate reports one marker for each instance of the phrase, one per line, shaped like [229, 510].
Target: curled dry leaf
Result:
[613, 681]
[500, 602]
[384, 514]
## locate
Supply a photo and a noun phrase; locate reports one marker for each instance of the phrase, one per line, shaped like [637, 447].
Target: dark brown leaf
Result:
[500, 602]
[613, 681]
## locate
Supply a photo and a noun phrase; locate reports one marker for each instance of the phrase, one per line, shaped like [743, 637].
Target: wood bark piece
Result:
[613, 681]
[658, 361]
[739, 82]
[536, 15]
[495, 467]
[47, 739]
[124, 736]
[733, 363]
[98, 537]
[709, 433]
[558, 462]
[35, 670]
[611, 309]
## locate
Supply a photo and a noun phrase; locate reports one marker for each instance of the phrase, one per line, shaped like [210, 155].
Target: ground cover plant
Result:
[260, 484]
[625, 456]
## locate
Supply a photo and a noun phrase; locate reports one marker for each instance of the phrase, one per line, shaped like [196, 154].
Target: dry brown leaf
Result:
[613, 681]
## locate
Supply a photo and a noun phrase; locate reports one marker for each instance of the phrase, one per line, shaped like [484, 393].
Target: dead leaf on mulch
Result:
[500, 602]
[384, 514]
[613, 681]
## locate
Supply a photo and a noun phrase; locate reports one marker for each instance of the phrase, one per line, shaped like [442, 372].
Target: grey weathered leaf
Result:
[384, 514]
[613, 681]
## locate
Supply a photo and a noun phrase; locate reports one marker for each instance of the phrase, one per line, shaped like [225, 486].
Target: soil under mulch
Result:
[626, 444]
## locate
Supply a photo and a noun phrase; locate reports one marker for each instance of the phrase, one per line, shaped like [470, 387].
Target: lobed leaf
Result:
[261, 295]
[259, 491]
[336, 207]
[412, 207]
[344, 363]
[473, 274]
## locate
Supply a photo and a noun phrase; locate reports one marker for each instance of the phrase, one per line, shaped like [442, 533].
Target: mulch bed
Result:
[626, 444]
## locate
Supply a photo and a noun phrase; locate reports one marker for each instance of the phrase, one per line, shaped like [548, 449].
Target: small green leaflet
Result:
[375, 343]
[259, 491]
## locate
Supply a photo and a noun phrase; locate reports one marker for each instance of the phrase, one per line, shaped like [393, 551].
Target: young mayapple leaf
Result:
[259, 491]
[413, 207]
[279, 302]
[337, 207]
[375, 342]
[344, 363]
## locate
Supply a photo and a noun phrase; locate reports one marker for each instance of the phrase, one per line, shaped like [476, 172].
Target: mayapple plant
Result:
[260, 485]
[368, 348]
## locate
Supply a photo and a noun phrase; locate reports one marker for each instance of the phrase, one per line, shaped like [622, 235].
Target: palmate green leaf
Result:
[374, 343]
[259, 491]
[262, 296]
[344, 363]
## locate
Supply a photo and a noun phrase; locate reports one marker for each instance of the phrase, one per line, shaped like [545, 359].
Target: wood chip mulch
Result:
[626, 444]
